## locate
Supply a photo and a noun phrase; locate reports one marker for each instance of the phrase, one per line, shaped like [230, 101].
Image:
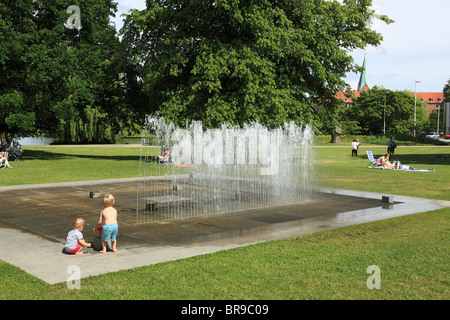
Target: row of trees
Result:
[225, 61]
[376, 111]
[57, 80]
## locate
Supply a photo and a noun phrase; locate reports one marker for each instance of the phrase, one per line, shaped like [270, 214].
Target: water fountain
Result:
[222, 170]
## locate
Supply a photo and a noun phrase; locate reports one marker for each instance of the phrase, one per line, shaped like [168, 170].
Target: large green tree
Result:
[17, 33]
[378, 109]
[235, 62]
[54, 76]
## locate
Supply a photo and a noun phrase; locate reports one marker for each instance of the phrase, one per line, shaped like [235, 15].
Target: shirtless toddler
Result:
[108, 217]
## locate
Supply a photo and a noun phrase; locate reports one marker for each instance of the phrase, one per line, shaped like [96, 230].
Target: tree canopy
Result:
[376, 111]
[225, 61]
[51, 75]
[235, 62]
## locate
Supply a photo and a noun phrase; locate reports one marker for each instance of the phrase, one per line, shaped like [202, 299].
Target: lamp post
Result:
[384, 115]
[415, 104]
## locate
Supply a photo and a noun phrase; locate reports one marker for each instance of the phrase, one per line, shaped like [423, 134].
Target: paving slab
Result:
[34, 221]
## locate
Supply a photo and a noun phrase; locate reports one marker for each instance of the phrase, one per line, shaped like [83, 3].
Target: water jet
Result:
[220, 170]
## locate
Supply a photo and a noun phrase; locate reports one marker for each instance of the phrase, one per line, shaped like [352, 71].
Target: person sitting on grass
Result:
[165, 154]
[383, 161]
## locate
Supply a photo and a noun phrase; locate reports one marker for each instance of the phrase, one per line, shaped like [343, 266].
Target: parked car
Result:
[433, 135]
[447, 136]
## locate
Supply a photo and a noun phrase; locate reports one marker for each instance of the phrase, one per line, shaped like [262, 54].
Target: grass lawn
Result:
[412, 252]
[63, 164]
[336, 168]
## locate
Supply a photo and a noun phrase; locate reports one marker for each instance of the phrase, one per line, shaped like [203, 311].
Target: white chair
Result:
[373, 163]
[5, 164]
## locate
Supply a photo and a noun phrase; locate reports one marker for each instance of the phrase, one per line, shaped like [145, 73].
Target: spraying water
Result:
[215, 171]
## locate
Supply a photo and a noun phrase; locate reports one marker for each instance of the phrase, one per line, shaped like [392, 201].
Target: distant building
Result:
[364, 83]
[345, 97]
[433, 100]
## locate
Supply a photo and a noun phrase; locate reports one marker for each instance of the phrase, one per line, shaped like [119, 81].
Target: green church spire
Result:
[364, 83]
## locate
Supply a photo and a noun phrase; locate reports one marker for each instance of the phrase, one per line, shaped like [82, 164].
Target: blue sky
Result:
[415, 47]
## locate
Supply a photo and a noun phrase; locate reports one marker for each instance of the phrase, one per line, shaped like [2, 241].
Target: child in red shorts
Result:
[75, 241]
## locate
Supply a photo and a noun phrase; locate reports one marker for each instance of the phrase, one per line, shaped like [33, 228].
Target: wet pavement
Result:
[35, 219]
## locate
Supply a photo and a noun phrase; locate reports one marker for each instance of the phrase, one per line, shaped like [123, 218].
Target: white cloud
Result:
[415, 46]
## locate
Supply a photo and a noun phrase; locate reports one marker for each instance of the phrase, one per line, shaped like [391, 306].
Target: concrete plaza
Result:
[35, 219]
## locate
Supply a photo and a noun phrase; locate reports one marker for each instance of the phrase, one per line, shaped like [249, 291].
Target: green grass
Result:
[412, 252]
[63, 164]
[336, 168]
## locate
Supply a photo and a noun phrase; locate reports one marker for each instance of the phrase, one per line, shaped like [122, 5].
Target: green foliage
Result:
[335, 113]
[13, 115]
[447, 91]
[50, 73]
[92, 129]
[434, 117]
[396, 108]
[236, 62]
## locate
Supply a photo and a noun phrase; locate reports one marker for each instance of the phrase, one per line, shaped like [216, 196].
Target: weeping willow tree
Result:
[90, 127]
[58, 80]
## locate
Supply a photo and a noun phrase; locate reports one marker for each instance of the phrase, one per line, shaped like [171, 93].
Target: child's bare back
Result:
[108, 218]
[109, 215]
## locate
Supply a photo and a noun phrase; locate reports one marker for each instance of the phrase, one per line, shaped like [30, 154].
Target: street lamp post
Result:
[384, 115]
[415, 104]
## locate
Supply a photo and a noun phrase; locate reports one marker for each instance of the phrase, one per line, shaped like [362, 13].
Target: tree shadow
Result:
[45, 155]
[422, 159]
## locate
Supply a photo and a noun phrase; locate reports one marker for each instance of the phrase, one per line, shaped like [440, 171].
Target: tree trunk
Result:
[336, 136]
[4, 138]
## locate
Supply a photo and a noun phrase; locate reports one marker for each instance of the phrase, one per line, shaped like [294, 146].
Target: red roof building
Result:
[433, 100]
[346, 97]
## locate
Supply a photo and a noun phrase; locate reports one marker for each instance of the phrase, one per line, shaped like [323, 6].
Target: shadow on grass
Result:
[44, 155]
[413, 159]
[407, 159]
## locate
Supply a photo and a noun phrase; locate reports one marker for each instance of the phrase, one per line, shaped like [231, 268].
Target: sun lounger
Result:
[373, 163]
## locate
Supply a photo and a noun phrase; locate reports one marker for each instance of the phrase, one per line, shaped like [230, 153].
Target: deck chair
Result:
[373, 163]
